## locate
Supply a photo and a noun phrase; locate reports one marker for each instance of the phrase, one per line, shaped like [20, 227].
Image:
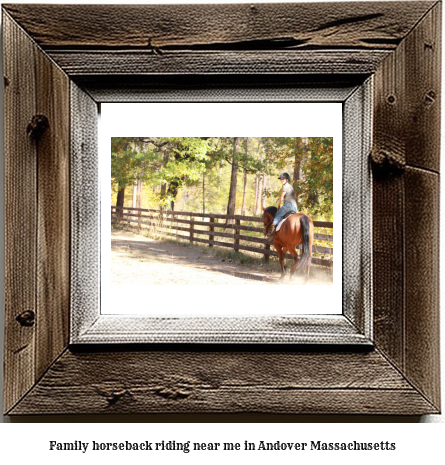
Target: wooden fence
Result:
[173, 223]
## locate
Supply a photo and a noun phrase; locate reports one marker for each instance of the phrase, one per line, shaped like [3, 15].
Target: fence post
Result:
[237, 231]
[211, 229]
[139, 220]
[191, 229]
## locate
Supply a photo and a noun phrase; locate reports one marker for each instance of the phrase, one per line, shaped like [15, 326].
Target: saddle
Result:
[285, 217]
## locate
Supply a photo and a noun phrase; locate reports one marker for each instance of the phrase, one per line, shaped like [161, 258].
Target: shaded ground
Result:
[137, 259]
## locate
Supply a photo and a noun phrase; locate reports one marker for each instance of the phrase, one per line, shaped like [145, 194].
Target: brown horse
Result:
[297, 229]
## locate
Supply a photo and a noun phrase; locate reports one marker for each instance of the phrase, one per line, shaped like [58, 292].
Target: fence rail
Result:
[169, 221]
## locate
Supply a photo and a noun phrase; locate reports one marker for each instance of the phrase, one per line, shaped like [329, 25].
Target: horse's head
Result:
[268, 216]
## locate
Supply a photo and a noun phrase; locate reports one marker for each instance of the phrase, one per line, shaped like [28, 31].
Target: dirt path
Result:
[140, 260]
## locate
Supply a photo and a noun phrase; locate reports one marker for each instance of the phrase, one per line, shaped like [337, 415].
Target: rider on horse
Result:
[289, 203]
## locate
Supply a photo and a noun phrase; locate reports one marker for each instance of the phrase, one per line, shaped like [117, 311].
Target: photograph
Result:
[193, 214]
[206, 210]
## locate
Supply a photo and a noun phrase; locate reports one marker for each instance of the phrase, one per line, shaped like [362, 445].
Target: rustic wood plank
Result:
[421, 212]
[104, 390]
[406, 206]
[388, 268]
[388, 200]
[79, 63]
[223, 382]
[422, 281]
[53, 235]
[20, 213]
[405, 313]
[240, 26]
[423, 89]
[408, 106]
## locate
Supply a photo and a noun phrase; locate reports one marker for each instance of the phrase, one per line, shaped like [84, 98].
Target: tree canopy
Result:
[221, 174]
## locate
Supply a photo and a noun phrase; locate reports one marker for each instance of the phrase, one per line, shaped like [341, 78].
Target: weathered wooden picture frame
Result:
[384, 355]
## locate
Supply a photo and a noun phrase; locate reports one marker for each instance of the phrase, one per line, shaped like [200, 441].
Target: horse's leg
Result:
[281, 253]
[311, 239]
[293, 252]
[284, 251]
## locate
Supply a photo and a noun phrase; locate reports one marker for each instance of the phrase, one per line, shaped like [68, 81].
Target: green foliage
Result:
[169, 161]
[195, 172]
[313, 157]
[128, 162]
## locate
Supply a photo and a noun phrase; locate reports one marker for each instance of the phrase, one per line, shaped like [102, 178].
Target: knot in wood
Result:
[115, 396]
[172, 393]
[430, 97]
[387, 163]
[26, 318]
[37, 126]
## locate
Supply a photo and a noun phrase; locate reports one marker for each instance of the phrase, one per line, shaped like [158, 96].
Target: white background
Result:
[220, 119]
[26, 443]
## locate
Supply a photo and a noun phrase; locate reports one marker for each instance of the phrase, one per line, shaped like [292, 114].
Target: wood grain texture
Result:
[388, 200]
[397, 41]
[407, 116]
[423, 91]
[53, 206]
[377, 25]
[20, 212]
[422, 254]
[79, 63]
[223, 382]
[388, 268]
[406, 207]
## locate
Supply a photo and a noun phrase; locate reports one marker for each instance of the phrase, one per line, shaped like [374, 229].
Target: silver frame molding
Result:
[353, 327]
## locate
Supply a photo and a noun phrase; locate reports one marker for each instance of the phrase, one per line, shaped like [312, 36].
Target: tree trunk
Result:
[120, 201]
[233, 180]
[220, 176]
[173, 191]
[139, 194]
[298, 149]
[243, 206]
[203, 195]
[255, 203]
[135, 193]
[260, 194]
[258, 183]
[263, 198]
[164, 185]
[301, 152]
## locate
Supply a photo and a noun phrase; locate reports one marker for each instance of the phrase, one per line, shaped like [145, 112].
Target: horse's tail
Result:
[306, 257]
